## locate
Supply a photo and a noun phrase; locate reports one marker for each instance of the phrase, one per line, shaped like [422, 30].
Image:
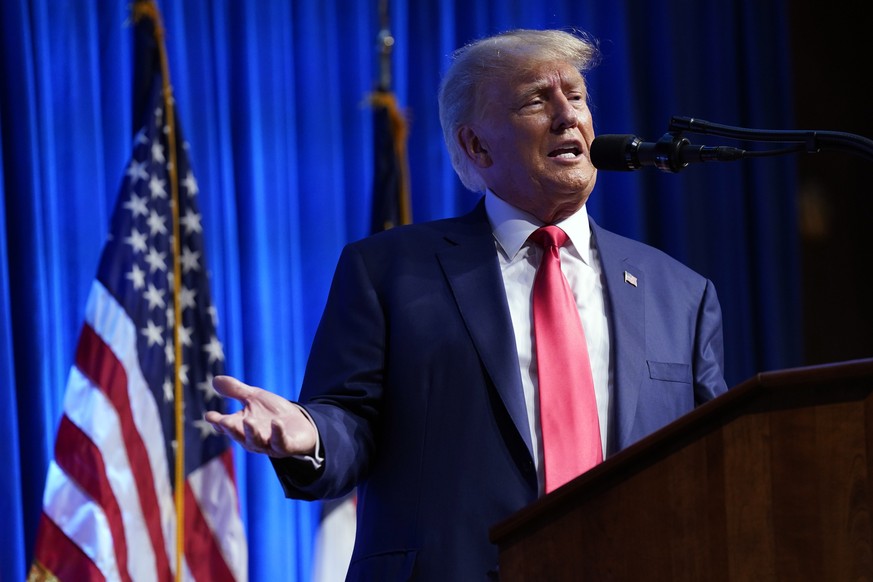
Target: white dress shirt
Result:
[580, 263]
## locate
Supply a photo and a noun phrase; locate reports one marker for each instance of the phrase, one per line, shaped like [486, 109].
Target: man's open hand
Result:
[267, 423]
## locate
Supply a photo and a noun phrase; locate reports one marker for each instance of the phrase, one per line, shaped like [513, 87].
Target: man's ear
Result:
[474, 147]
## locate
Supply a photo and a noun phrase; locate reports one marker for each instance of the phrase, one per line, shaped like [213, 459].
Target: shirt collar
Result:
[512, 227]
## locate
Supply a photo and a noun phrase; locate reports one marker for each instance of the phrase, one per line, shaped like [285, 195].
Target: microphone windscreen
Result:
[612, 152]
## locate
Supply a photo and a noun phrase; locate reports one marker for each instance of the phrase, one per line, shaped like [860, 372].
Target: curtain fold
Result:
[272, 100]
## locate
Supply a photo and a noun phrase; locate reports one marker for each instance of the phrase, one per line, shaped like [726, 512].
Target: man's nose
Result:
[564, 115]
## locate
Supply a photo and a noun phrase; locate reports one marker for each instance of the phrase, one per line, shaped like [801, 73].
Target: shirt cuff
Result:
[316, 460]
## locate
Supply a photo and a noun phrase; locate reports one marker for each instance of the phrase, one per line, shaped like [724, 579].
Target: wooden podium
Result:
[771, 481]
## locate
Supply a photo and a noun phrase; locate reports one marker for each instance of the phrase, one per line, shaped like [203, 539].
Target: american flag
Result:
[108, 507]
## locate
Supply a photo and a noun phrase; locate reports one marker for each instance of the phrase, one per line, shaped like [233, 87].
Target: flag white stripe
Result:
[89, 409]
[81, 520]
[334, 542]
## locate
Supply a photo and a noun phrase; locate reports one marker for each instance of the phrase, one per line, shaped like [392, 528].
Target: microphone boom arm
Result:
[814, 141]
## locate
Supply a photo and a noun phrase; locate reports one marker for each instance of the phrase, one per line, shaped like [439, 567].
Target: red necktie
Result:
[568, 408]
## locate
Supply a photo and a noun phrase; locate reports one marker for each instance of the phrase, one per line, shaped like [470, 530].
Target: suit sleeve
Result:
[343, 383]
[709, 349]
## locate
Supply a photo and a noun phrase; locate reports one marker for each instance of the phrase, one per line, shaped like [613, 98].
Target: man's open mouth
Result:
[567, 152]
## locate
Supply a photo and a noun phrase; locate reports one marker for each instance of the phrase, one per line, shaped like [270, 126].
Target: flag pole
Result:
[386, 45]
[149, 9]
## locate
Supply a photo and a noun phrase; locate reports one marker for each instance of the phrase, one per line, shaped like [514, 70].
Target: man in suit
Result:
[422, 387]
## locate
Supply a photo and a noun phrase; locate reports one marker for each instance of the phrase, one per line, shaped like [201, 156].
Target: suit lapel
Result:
[472, 271]
[471, 268]
[625, 289]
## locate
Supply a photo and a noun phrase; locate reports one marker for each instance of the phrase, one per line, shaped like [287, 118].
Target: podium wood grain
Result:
[771, 481]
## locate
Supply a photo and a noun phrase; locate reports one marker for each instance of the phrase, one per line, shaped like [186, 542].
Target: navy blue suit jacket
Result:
[414, 385]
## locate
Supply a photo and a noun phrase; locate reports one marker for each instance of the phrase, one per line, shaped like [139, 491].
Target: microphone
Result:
[671, 153]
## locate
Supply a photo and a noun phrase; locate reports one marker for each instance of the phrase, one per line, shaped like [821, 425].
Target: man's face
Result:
[532, 138]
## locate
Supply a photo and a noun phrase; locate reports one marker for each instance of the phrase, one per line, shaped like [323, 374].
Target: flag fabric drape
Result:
[335, 539]
[391, 197]
[109, 509]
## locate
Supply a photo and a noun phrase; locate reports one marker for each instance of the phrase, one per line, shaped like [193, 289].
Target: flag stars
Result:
[169, 388]
[205, 428]
[156, 260]
[155, 297]
[157, 223]
[137, 241]
[183, 374]
[185, 336]
[137, 277]
[191, 222]
[158, 187]
[136, 171]
[186, 298]
[158, 153]
[137, 205]
[190, 184]
[190, 260]
[206, 387]
[154, 333]
[214, 350]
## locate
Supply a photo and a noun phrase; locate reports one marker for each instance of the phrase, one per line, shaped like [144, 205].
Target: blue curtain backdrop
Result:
[271, 97]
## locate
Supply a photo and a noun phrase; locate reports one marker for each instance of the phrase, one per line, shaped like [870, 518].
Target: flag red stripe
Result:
[203, 554]
[97, 362]
[61, 556]
[82, 461]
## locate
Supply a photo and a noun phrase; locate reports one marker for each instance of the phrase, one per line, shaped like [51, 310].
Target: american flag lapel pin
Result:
[628, 278]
